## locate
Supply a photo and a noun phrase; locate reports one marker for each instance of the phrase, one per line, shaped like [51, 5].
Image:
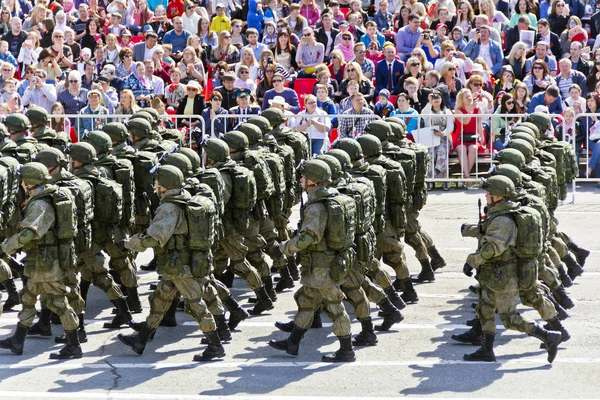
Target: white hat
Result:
[107, 70]
[86, 50]
[477, 67]
[194, 85]
[279, 100]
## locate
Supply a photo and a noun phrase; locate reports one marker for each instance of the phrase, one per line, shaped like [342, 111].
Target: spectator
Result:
[401, 19]
[465, 17]
[283, 26]
[88, 76]
[337, 66]
[383, 108]
[383, 18]
[483, 20]
[338, 16]
[539, 79]
[507, 81]
[523, 9]
[324, 102]
[255, 15]
[522, 99]
[4, 21]
[288, 94]
[227, 91]
[175, 8]
[225, 51]
[93, 108]
[567, 77]
[209, 113]
[388, 71]
[191, 105]
[327, 34]
[594, 76]
[220, 22]
[93, 35]
[482, 45]
[357, 8]
[143, 50]
[413, 70]
[159, 22]
[571, 130]
[112, 49]
[488, 7]
[244, 107]
[72, 44]
[548, 36]
[207, 37]
[35, 17]
[453, 85]
[253, 43]
[309, 54]
[15, 37]
[578, 63]
[572, 34]
[161, 68]
[316, 129]
[457, 38]
[463, 64]
[574, 99]
[125, 68]
[436, 114]
[501, 125]
[142, 89]
[191, 67]
[175, 91]
[517, 59]
[177, 37]
[441, 35]
[7, 71]
[248, 61]
[244, 81]
[269, 34]
[157, 84]
[403, 108]
[285, 53]
[372, 35]
[558, 16]
[5, 55]
[407, 37]
[310, 11]
[190, 18]
[60, 124]
[267, 58]
[514, 34]
[466, 136]
[109, 94]
[265, 83]
[350, 126]
[117, 28]
[9, 90]
[296, 21]
[324, 78]
[127, 105]
[485, 99]
[354, 73]
[367, 66]
[47, 62]
[550, 98]
[374, 55]
[346, 47]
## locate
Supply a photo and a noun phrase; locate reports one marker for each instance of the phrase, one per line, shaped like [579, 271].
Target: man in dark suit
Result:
[578, 63]
[388, 71]
[321, 34]
[513, 35]
[546, 35]
[243, 107]
[143, 50]
[227, 91]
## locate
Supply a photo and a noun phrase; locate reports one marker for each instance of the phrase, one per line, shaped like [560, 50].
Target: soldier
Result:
[38, 117]
[40, 238]
[94, 265]
[497, 265]
[321, 240]
[169, 232]
[239, 201]
[18, 126]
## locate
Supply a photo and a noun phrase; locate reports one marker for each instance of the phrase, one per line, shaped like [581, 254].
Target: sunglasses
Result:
[58, 36]
[351, 70]
[128, 55]
[435, 97]
[6, 70]
[311, 102]
[360, 51]
[277, 80]
[540, 67]
[451, 69]
[414, 64]
[75, 81]
[334, 57]
[510, 102]
[190, 7]
[476, 84]
[226, 37]
[346, 38]
[560, 5]
[237, 26]
[307, 35]
[281, 26]
[270, 71]
[216, 99]
[244, 72]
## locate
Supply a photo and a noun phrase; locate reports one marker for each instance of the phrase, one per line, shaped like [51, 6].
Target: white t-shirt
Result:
[484, 52]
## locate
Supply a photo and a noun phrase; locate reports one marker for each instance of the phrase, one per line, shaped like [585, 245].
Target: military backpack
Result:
[276, 166]
[144, 181]
[363, 192]
[11, 167]
[83, 192]
[254, 161]
[124, 175]
[108, 208]
[244, 196]
[378, 177]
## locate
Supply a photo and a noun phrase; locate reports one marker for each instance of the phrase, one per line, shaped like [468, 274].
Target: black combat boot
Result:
[367, 336]
[289, 326]
[227, 277]
[473, 288]
[42, 327]
[123, 315]
[344, 354]
[564, 277]
[472, 336]
[13, 295]
[555, 325]
[286, 281]
[562, 313]
[550, 338]
[214, 350]
[16, 341]
[84, 288]
[236, 313]
[581, 254]
[485, 352]
[55, 319]
[410, 295]
[222, 330]
[264, 302]
[137, 341]
[394, 298]
[170, 319]
[391, 315]
[138, 326]
[151, 266]
[317, 323]
[81, 333]
[398, 285]
[563, 298]
[133, 300]
[472, 322]
[573, 268]
[70, 350]
[268, 284]
[291, 345]
[437, 261]
[426, 274]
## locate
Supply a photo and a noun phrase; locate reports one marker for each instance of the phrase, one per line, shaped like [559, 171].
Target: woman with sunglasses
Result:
[237, 38]
[573, 33]
[449, 79]
[412, 70]
[192, 104]
[309, 54]
[507, 81]
[346, 47]
[61, 53]
[225, 51]
[209, 113]
[539, 79]
[4, 21]
[435, 113]
[501, 125]
[558, 16]
[337, 66]
[244, 81]
[265, 83]
[354, 73]
[126, 66]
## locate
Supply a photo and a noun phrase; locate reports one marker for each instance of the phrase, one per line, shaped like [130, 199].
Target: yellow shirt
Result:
[220, 24]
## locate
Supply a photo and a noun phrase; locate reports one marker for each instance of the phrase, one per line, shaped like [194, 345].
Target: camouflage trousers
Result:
[53, 295]
[258, 238]
[192, 291]
[392, 251]
[379, 276]
[5, 274]
[505, 301]
[537, 297]
[71, 281]
[93, 266]
[121, 260]
[355, 294]
[416, 237]
[330, 300]
[232, 247]
[559, 244]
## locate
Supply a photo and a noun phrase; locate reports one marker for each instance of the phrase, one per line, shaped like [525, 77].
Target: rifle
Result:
[298, 169]
[479, 224]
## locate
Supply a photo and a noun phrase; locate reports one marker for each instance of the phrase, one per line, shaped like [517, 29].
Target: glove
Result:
[468, 270]
[277, 252]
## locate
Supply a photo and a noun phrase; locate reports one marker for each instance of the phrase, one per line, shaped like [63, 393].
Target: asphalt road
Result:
[416, 359]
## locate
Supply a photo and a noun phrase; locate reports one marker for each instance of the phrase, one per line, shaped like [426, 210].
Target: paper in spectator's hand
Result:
[426, 136]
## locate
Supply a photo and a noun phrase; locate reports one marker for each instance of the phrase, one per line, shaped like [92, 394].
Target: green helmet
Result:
[82, 152]
[143, 115]
[263, 124]
[117, 131]
[371, 145]
[533, 127]
[193, 157]
[498, 185]
[37, 115]
[61, 141]
[524, 147]
[522, 129]
[3, 131]
[45, 134]
[217, 150]
[174, 135]
[511, 172]
[100, 140]
[398, 129]
[154, 114]
[139, 127]
[379, 128]
[170, 177]
[541, 120]
[342, 157]
[351, 147]
[51, 158]
[274, 115]
[252, 132]
[35, 173]
[334, 165]
[523, 136]
[317, 171]
[236, 140]
[180, 161]
[17, 123]
[512, 157]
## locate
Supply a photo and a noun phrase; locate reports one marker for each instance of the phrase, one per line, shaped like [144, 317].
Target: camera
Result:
[426, 36]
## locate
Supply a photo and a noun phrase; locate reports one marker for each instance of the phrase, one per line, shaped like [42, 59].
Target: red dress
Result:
[468, 131]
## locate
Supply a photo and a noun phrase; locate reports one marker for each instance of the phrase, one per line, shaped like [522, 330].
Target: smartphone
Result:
[28, 42]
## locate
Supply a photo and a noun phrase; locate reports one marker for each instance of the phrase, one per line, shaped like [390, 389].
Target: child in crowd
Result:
[86, 55]
[5, 55]
[352, 88]
[168, 48]
[270, 34]
[383, 107]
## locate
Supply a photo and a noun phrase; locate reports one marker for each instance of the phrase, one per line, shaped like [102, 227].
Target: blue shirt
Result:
[367, 40]
[260, 47]
[179, 42]
[538, 100]
[406, 41]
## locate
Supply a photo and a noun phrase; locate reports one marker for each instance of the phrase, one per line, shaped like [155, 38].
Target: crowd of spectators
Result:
[434, 64]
